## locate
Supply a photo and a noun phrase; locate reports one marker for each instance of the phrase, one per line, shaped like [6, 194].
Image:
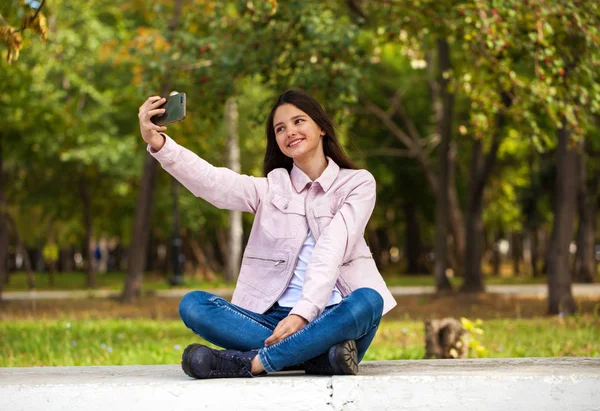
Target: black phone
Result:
[175, 110]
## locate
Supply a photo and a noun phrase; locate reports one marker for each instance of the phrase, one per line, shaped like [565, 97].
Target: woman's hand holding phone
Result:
[149, 130]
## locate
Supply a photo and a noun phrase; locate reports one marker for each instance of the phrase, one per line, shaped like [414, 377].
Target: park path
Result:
[536, 290]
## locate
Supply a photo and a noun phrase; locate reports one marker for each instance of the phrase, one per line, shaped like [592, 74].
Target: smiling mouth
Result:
[295, 142]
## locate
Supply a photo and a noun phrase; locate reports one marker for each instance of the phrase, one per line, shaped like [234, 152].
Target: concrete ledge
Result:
[486, 384]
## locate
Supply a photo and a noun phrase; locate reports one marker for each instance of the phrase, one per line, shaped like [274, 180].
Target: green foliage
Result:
[69, 104]
[471, 339]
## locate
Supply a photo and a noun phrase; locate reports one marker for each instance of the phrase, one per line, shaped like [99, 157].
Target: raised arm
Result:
[219, 186]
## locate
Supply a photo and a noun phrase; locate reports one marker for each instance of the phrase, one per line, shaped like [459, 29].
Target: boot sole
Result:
[342, 359]
[185, 359]
[346, 358]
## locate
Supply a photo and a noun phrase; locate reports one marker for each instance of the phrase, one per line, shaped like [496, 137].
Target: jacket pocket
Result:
[282, 217]
[263, 271]
[354, 259]
[359, 271]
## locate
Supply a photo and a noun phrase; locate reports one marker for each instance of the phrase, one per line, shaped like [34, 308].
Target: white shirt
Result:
[294, 290]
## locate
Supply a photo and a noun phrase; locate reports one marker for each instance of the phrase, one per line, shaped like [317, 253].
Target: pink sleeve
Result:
[220, 186]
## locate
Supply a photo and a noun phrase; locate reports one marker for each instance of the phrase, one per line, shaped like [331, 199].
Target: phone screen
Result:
[175, 110]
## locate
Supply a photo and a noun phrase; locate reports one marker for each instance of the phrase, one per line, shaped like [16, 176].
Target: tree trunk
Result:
[138, 248]
[560, 298]
[474, 226]
[444, 105]
[143, 211]
[203, 263]
[176, 246]
[22, 249]
[3, 225]
[380, 246]
[479, 174]
[533, 240]
[87, 218]
[412, 244]
[412, 140]
[235, 233]
[496, 257]
[516, 247]
[457, 222]
[375, 246]
[585, 267]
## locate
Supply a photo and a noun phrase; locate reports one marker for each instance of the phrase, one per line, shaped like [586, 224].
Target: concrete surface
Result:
[487, 384]
[538, 290]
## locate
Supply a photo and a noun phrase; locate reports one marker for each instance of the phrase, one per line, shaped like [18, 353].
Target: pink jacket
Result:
[336, 208]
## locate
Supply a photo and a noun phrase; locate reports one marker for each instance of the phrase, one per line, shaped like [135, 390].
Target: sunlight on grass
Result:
[538, 337]
[143, 341]
[115, 281]
[109, 281]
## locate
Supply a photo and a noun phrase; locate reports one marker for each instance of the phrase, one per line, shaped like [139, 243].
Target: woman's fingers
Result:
[278, 334]
[151, 103]
[155, 111]
[153, 126]
[146, 115]
[158, 102]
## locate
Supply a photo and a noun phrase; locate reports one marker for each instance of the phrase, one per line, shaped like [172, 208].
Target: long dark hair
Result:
[274, 158]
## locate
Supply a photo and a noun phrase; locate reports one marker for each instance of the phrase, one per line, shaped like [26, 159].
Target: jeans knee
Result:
[371, 298]
[191, 305]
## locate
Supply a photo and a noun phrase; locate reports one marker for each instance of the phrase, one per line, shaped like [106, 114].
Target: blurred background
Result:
[480, 121]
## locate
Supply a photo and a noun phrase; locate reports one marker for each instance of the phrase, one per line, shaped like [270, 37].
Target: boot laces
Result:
[319, 364]
[228, 364]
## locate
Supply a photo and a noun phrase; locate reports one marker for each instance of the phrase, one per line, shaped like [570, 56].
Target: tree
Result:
[31, 18]
[57, 134]
[233, 162]
[143, 211]
[36, 21]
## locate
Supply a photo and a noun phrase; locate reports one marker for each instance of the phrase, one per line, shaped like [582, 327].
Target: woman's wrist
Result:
[157, 142]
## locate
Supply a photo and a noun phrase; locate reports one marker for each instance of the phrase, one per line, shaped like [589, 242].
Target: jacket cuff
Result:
[306, 310]
[169, 151]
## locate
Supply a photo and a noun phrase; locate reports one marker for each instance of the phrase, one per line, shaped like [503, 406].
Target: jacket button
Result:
[285, 206]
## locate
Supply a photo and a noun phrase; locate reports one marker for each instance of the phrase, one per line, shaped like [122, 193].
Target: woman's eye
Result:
[299, 120]
[278, 129]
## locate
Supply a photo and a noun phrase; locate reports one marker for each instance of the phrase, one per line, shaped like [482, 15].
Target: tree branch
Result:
[492, 155]
[34, 16]
[387, 121]
[355, 7]
[414, 147]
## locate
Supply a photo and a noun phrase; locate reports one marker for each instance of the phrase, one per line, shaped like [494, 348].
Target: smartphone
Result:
[175, 110]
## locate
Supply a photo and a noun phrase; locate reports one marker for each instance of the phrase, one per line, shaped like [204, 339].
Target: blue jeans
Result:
[218, 321]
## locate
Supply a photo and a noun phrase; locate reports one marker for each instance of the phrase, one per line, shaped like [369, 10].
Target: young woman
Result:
[309, 295]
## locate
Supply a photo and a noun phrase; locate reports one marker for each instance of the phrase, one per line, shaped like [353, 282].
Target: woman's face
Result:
[298, 136]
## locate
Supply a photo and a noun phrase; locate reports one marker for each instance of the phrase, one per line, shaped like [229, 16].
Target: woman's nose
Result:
[291, 131]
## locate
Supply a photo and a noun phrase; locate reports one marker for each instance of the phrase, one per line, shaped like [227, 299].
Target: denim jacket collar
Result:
[325, 180]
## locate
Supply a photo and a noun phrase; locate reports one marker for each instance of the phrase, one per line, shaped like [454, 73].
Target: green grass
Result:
[115, 281]
[106, 281]
[142, 341]
[421, 280]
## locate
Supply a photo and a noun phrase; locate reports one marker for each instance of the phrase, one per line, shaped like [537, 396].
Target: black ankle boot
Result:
[341, 359]
[199, 361]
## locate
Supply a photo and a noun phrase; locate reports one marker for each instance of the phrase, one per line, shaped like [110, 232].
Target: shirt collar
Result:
[325, 180]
